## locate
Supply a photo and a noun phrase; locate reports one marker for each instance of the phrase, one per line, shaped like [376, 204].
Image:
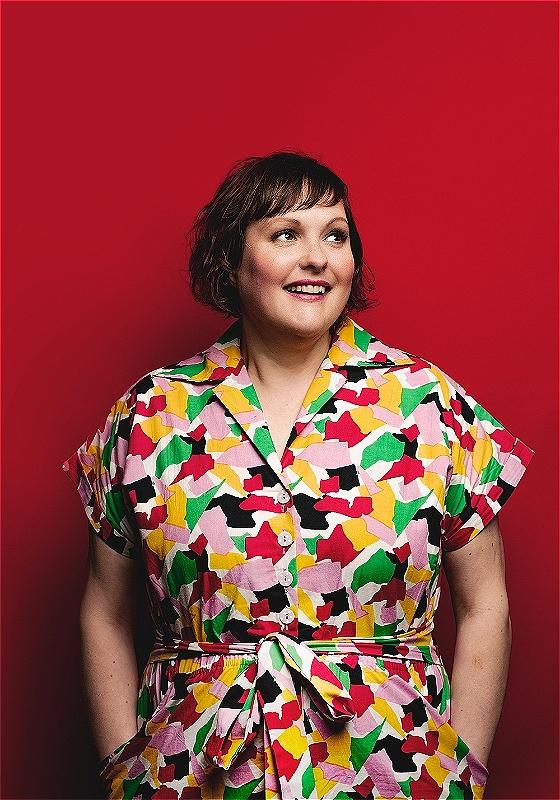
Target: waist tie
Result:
[268, 690]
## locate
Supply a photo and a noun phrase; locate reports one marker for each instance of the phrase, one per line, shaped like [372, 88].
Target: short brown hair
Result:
[256, 187]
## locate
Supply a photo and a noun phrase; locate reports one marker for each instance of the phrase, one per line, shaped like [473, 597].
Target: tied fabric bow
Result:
[270, 692]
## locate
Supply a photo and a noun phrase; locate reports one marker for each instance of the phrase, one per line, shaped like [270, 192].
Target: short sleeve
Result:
[487, 461]
[96, 470]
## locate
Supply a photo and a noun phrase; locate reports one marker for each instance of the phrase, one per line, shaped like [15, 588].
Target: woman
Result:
[291, 494]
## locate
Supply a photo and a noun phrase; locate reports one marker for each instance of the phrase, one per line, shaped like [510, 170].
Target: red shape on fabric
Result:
[362, 697]
[416, 744]
[504, 439]
[336, 548]
[287, 457]
[466, 775]
[198, 432]
[265, 545]
[331, 484]
[348, 629]
[325, 632]
[289, 713]
[260, 608]
[406, 467]
[139, 443]
[367, 397]
[319, 752]
[411, 433]
[157, 403]
[165, 793]
[390, 593]
[425, 787]
[403, 552]
[195, 466]
[344, 429]
[210, 583]
[365, 788]
[286, 763]
[407, 723]
[340, 505]
[199, 545]
[351, 660]
[324, 612]
[166, 773]
[158, 515]
[254, 483]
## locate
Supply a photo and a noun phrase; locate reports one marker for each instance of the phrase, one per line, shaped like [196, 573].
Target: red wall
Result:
[119, 120]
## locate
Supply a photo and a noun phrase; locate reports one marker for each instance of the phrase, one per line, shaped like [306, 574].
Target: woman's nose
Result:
[315, 254]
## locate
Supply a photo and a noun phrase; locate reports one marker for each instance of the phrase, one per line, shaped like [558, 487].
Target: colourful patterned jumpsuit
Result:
[294, 598]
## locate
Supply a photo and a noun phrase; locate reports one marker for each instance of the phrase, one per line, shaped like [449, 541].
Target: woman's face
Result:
[309, 246]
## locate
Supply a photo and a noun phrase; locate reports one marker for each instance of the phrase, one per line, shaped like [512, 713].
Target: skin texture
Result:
[477, 583]
[285, 340]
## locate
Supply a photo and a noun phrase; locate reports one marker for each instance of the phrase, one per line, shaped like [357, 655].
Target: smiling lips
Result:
[307, 291]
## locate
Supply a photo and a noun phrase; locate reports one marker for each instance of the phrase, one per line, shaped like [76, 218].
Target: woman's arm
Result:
[476, 578]
[107, 618]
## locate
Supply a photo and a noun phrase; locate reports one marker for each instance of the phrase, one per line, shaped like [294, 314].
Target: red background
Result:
[119, 121]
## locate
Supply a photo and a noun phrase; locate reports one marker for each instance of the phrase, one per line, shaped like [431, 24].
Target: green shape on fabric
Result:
[455, 499]
[202, 734]
[404, 512]
[311, 544]
[276, 656]
[385, 630]
[405, 787]
[320, 401]
[295, 657]
[143, 703]
[362, 747]
[343, 796]
[386, 448]
[183, 571]
[239, 542]
[243, 792]
[115, 510]
[491, 471]
[482, 413]
[411, 398]
[377, 569]
[196, 506]
[263, 441]
[462, 748]
[130, 785]
[176, 451]
[214, 627]
[341, 674]
[308, 781]
[433, 561]
[321, 424]
[456, 790]
[196, 403]
[250, 394]
[362, 340]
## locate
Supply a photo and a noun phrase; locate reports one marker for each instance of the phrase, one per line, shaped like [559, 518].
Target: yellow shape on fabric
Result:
[434, 482]
[221, 446]
[307, 607]
[301, 442]
[230, 476]
[225, 561]
[410, 607]
[154, 428]
[365, 623]
[482, 452]
[384, 507]
[323, 785]
[201, 693]
[374, 675]
[292, 741]
[435, 769]
[390, 393]
[384, 709]
[233, 398]
[365, 419]
[304, 560]
[431, 451]
[158, 544]
[338, 746]
[415, 575]
[240, 602]
[357, 533]
[448, 739]
[308, 474]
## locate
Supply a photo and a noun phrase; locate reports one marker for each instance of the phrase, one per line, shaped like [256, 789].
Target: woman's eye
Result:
[342, 234]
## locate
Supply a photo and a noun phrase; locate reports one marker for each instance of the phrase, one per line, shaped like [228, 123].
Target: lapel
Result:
[221, 368]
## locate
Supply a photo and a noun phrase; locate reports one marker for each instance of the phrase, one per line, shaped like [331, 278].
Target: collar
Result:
[353, 346]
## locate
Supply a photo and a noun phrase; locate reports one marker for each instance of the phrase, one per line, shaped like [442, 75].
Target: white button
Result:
[285, 538]
[287, 616]
[285, 577]
[283, 496]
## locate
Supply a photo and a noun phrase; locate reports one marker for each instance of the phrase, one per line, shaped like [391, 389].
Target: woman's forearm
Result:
[479, 677]
[111, 679]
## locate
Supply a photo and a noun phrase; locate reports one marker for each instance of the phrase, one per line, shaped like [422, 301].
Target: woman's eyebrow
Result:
[294, 221]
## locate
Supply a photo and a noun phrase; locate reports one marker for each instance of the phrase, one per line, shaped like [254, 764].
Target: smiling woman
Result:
[292, 493]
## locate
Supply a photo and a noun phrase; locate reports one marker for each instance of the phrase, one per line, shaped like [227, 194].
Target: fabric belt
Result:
[267, 691]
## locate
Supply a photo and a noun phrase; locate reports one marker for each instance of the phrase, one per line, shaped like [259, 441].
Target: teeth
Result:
[308, 289]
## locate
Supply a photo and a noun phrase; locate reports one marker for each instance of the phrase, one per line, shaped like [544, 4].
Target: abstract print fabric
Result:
[294, 596]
